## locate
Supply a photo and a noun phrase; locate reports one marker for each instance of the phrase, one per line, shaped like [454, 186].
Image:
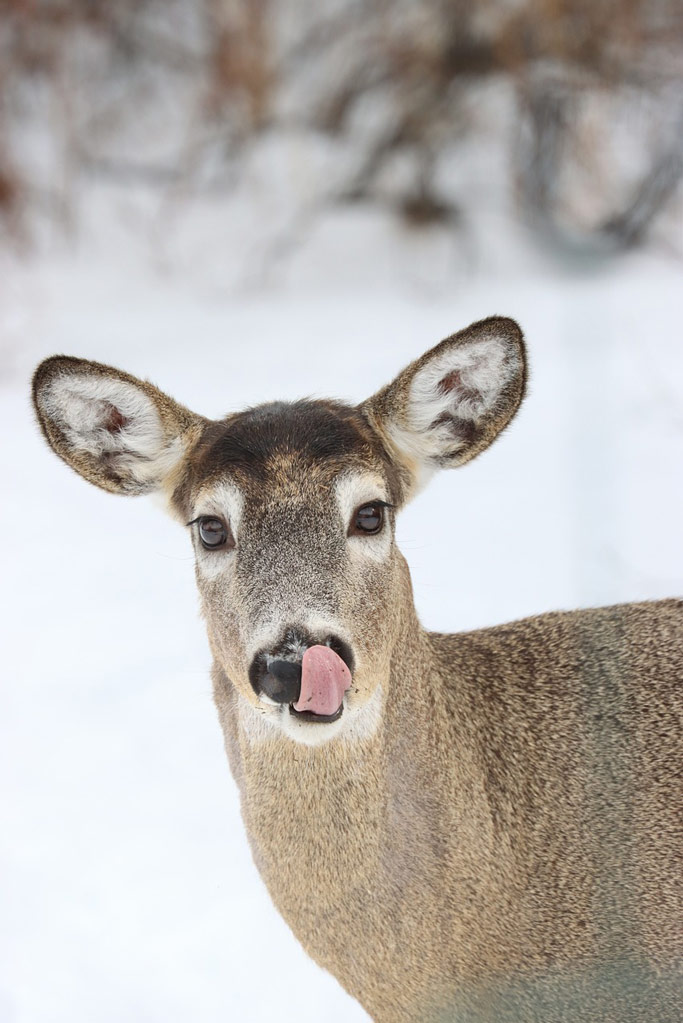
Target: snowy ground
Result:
[129, 890]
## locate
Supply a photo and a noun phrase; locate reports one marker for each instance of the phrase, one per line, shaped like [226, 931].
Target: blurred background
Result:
[188, 121]
[250, 199]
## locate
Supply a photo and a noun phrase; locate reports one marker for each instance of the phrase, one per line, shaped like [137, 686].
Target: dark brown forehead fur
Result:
[316, 436]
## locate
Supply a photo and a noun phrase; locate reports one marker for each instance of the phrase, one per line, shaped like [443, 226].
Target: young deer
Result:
[472, 827]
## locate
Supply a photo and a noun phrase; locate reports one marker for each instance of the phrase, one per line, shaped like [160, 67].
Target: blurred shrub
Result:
[173, 93]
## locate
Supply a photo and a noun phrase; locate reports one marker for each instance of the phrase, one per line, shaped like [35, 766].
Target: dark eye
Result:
[368, 519]
[214, 533]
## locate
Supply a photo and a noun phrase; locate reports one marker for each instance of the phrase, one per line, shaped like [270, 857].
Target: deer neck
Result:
[317, 816]
[339, 830]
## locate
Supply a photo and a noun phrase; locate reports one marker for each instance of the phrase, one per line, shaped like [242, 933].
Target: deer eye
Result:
[369, 518]
[214, 533]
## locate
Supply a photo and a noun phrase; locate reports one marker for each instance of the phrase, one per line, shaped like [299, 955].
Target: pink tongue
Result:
[324, 680]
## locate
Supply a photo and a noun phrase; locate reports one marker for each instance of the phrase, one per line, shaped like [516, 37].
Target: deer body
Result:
[476, 827]
[488, 833]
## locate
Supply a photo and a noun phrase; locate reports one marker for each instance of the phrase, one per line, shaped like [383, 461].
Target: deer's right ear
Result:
[120, 433]
[450, 404]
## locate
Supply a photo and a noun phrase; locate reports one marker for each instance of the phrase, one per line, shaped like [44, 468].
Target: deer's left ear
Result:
[450, 404]
[118, 432]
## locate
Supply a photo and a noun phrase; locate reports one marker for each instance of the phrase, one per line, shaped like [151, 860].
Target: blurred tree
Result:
[173, 93]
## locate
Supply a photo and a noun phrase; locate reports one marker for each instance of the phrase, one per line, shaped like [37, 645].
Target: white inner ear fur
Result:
[483, 368]
[83, 406]
[465, 382]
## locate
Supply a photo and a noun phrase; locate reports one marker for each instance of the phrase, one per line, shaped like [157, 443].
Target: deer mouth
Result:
[325, 678]
[313, 688]
[309, 715]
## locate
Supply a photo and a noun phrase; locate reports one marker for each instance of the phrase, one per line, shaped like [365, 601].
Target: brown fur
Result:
[505, 845]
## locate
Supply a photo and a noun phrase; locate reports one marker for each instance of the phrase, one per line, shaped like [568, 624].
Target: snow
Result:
[129, 892]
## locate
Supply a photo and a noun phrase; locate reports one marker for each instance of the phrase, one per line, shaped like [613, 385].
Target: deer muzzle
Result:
[314, 687]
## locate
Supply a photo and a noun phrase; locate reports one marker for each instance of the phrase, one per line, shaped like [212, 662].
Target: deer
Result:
[482, 826]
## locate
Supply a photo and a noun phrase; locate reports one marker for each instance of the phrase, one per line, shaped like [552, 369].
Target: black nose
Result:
[276, 672]
[280, 680]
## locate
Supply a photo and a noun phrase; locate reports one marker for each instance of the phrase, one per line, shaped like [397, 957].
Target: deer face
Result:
[291, 512]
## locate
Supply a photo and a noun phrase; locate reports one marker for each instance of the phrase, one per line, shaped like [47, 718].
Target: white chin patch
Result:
[311, 733]
[270, 722]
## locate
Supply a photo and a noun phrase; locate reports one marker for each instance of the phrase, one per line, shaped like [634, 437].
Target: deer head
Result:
[291, 509]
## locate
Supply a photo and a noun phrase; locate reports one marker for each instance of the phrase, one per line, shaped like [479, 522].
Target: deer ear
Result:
[120, 433]
[449, 405]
